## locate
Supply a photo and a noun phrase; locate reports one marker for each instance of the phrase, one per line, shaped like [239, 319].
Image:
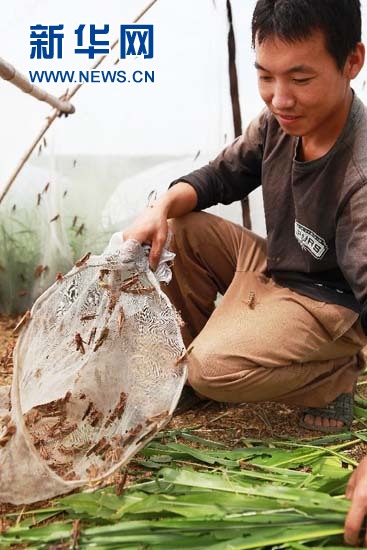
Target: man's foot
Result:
[315, 422]
[336, 417]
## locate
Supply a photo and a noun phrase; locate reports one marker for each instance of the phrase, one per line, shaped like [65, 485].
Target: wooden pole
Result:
[236, 109]
[9, 73]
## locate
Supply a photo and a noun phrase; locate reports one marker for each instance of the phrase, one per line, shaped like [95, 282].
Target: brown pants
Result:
[262, 341]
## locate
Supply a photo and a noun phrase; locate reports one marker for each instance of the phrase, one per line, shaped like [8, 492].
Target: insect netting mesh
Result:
[99, 369]
[92, 173]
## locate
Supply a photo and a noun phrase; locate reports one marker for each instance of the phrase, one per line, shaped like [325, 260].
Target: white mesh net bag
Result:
[98, 370]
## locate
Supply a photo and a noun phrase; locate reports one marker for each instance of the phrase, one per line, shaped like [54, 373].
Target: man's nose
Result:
[282, 99]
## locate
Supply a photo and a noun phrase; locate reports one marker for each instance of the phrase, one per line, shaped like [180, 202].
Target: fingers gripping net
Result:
[97, 374]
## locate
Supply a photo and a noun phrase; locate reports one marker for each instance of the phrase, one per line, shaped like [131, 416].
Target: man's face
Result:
[301, 84]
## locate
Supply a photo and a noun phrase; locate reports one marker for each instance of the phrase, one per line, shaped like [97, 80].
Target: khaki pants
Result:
[262, 341]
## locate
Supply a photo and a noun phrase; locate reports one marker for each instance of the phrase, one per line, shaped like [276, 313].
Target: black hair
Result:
[294, 20]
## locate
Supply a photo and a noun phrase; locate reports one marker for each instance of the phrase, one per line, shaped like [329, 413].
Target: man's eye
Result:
[301, 80]
[266, 78]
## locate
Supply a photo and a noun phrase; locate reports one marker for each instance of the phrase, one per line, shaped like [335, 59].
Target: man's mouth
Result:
[286, 118]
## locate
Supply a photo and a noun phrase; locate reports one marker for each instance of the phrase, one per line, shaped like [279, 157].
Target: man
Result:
[293, 317]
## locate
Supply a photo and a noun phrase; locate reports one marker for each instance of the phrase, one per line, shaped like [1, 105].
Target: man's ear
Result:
[355, 61]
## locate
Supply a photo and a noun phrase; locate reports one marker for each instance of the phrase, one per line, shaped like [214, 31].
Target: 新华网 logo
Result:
[136, 40]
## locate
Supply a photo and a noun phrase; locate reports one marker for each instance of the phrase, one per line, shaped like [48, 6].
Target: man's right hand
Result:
[150, 227]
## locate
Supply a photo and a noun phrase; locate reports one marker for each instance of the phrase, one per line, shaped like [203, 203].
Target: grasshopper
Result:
[88, 317]
[120, 319]
[142, 290]
[79, 343]
[92, 335]
[69, 477]
[93, 471]
[60, 429]
[10, 430]
[157, 418]
[102, 337]
[129, 282]
[95, 417]
[99, 447]
[88, 410]
[118, 410]
[83, 259]
[251, 300]
[80, 230]
[43, 452]
[183, 356]
[75, 535]
[59, 277]
[113, 455]
[103, 273]
[102, 284]
[149, 435]
[39, 270]
[121, 484]
[135, 431]
[112, 303]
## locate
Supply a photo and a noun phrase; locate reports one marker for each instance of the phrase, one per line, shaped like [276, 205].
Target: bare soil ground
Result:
[7, 343]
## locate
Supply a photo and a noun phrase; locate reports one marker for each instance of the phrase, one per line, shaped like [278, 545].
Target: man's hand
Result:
[150, 227]
[357, 493]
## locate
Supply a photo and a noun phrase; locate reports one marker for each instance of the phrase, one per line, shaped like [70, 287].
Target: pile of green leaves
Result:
[202, 495]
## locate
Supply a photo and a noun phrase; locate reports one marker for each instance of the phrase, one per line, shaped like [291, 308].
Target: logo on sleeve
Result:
[309, 240]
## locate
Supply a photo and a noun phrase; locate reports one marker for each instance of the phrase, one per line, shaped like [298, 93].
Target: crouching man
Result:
[293, 318]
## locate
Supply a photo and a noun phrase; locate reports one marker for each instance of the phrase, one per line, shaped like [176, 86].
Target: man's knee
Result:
[236, 379]
[193, 223]
[216, 378]
[197, 376]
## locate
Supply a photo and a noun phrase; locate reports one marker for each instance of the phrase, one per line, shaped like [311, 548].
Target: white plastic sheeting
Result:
[124, 139]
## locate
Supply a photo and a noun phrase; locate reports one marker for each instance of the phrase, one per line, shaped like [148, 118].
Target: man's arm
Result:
[351, 246]
[179, 200]
[235, 172]
[151, 226]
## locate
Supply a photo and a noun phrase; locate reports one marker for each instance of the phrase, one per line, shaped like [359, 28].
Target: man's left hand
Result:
[357, 493]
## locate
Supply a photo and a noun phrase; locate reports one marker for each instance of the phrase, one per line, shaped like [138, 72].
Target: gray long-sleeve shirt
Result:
[315, 211]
